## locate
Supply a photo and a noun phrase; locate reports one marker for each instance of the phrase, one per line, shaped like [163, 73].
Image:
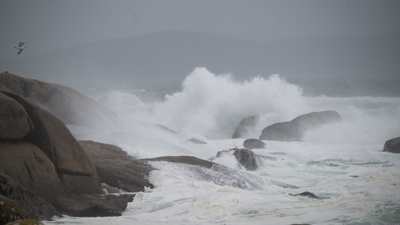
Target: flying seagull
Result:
[20, 47]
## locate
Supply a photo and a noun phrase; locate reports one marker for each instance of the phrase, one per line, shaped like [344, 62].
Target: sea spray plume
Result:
[212, 105]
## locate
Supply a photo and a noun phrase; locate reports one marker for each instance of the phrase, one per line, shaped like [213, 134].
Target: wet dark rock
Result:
[392, 145]
[253, 144]
[196, 141]
[245, 125]
[246, 158]
[10, 210]
[184, 159]
[67, 104]
[34, 207]
[93, 206]
[306, 194]
[295, 129]
[25, 222]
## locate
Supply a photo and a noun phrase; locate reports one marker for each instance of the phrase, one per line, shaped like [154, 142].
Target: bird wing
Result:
[20, 51]
[21, 44]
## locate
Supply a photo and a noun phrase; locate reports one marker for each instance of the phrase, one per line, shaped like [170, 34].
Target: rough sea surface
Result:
[341, 163]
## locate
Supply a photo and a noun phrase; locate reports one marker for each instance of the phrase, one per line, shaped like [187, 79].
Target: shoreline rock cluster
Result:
[45, 172]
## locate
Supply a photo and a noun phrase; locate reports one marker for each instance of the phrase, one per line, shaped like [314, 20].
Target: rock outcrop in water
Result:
[42, 166]
[246, 158]
[245, 125]
[392, 145]
[47, 172]
[294, 130]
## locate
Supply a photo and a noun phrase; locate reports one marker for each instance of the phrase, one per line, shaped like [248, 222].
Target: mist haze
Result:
[201, 112]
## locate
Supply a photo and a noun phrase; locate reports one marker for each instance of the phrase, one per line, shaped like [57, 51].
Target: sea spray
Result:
[341, 163]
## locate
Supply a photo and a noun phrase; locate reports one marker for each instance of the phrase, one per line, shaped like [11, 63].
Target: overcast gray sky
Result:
[46, 25]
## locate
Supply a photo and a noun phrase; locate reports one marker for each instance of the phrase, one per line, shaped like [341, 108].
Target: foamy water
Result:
[341, 163]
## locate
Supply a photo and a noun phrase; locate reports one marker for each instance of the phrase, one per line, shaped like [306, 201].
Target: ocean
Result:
[341, 163]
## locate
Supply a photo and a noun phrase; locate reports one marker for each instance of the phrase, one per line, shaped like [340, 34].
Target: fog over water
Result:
[176, 70]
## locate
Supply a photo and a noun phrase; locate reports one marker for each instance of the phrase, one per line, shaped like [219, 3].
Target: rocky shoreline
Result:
[45, 172]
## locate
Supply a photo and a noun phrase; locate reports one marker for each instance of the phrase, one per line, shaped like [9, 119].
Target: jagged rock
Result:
[245, 125]
[14, 120]
[56, 141]
[295, 129]
[306, 194]
[392, 145]
[93, 206]
[196, 141]
[70, 106]
[253, 144]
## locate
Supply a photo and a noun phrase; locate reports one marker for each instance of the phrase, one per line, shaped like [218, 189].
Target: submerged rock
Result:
[392, 145]
[295, 129]
[306, 194]
[245, 125]
[253, 144]
[196, 141]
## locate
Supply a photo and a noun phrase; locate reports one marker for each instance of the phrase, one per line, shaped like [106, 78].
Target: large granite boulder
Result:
[51, 136]
[392, 145]
[31, 168]
[69, 105]
[245, 125]
[14, 120]
[93, 206]
[295, 129]
[116, 168]
[253, 144]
